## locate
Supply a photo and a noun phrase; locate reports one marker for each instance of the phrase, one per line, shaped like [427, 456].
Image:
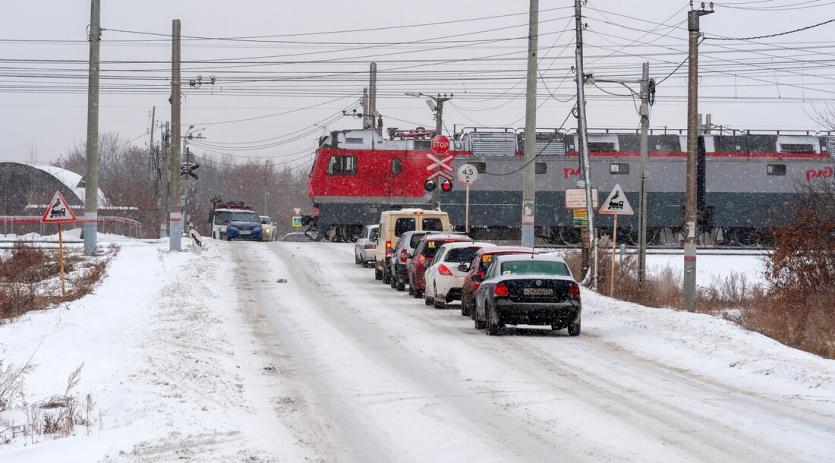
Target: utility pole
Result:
[155, 173]
[529, 172]
[691, 194]
[175, 216]
[91, 183]
[582, 137]
[371, 113]
[166, 168]
[646, 90]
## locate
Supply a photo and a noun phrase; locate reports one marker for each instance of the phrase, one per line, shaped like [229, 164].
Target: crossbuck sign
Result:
[442, 163]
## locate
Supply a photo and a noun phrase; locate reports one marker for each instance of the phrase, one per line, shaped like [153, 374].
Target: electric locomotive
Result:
[746, 180]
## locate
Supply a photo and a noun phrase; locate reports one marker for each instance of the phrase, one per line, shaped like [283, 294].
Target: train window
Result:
[797, 148]
[776, 169]
[433, 225]
[402, 225]
[342, 165]
[601, 146]
[619, 168]
[353, 140]
[396, 166]
[481, 167]
[541, 168]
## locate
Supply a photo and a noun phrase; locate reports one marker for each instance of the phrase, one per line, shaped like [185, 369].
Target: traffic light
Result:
[429, 185]
[446, 186]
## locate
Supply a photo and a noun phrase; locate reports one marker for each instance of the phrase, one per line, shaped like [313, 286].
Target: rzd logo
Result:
[826, 172]
[568, 172]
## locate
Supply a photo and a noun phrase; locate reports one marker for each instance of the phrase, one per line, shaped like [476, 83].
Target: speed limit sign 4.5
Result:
[467, 174]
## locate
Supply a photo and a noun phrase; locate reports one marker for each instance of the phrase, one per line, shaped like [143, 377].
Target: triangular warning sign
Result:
[616, 203]
[297, 210]
[58, 210]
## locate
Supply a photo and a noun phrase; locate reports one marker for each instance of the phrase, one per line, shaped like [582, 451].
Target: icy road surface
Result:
[289, 352]
[378, 376]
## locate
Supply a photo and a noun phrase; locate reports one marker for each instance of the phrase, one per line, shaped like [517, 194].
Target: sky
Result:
[283, 85]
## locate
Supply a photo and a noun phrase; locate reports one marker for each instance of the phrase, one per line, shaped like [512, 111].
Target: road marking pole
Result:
[467, 208]
[61, 260]
[614, 246]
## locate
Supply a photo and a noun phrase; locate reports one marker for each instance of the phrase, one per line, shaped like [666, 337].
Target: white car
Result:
[366, 244]
[444, 278]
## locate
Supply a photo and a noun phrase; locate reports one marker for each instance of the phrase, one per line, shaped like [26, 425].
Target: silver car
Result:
[365, 245]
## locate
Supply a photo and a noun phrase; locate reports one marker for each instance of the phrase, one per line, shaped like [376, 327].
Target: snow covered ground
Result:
[290, 352]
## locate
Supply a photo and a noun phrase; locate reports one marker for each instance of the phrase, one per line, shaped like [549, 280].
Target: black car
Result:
[525, 289]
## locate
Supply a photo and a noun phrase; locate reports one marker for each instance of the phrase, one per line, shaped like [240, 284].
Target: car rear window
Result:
[433, 225]
[534, 267]
[416, 237]
[373, 235]
[461, 255]
[402, 225]
[431, 247]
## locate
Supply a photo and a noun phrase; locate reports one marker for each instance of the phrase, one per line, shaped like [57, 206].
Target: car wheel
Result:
[418, 294]
[439, 304]
[401, 286]
[492, 329]
[386, 277]
[411, 291]
[378, 275]
[465, 308]
[392, 280]
[574, 329]
[428, 300]
[357, 259]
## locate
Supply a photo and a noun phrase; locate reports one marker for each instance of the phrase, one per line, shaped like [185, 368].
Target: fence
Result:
[22, 224]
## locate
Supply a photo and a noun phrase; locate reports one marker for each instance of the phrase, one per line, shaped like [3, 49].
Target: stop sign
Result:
[440, 144]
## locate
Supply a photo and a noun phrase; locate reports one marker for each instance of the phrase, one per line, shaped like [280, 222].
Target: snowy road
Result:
[371, 375]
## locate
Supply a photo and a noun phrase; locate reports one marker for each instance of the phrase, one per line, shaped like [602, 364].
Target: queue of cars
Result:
[496, 285]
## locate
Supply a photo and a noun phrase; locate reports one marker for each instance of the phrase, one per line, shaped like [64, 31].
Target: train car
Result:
[745, 180]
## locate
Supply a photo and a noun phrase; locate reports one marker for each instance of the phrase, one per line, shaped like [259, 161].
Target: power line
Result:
[757, 37]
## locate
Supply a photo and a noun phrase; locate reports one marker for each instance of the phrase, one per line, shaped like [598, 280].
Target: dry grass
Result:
[29, 275]
[797, 307]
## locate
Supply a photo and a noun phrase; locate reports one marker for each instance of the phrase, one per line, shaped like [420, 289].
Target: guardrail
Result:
[121, 225]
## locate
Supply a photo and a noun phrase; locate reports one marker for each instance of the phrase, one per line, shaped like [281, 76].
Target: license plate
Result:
[538, 291]
[245, 232]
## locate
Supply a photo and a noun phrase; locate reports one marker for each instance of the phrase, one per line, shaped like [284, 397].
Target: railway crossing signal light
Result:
[429, 185]
[446, 186]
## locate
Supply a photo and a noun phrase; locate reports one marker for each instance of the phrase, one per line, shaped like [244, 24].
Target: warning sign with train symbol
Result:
[616, 203]
[58, 210]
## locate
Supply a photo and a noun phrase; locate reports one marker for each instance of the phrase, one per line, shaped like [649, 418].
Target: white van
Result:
[395, 223]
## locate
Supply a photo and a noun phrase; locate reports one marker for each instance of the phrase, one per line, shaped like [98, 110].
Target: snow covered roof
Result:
[72, 181]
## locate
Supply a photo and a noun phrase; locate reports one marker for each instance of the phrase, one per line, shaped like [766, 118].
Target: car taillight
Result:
[574, 291]
[403, 256]
[388, 248]
[501, 290]
[444, 270]
[368, 246]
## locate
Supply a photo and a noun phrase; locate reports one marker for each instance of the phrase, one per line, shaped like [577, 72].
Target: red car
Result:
[423, 257]
[478, 266]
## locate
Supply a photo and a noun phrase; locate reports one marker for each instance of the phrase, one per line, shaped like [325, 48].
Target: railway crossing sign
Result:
[616, 203]
[442, 163]
[439, 173]
[440, 144]
[58, 210]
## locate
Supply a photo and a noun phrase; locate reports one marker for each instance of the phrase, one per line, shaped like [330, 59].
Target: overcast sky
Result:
[758, 84]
